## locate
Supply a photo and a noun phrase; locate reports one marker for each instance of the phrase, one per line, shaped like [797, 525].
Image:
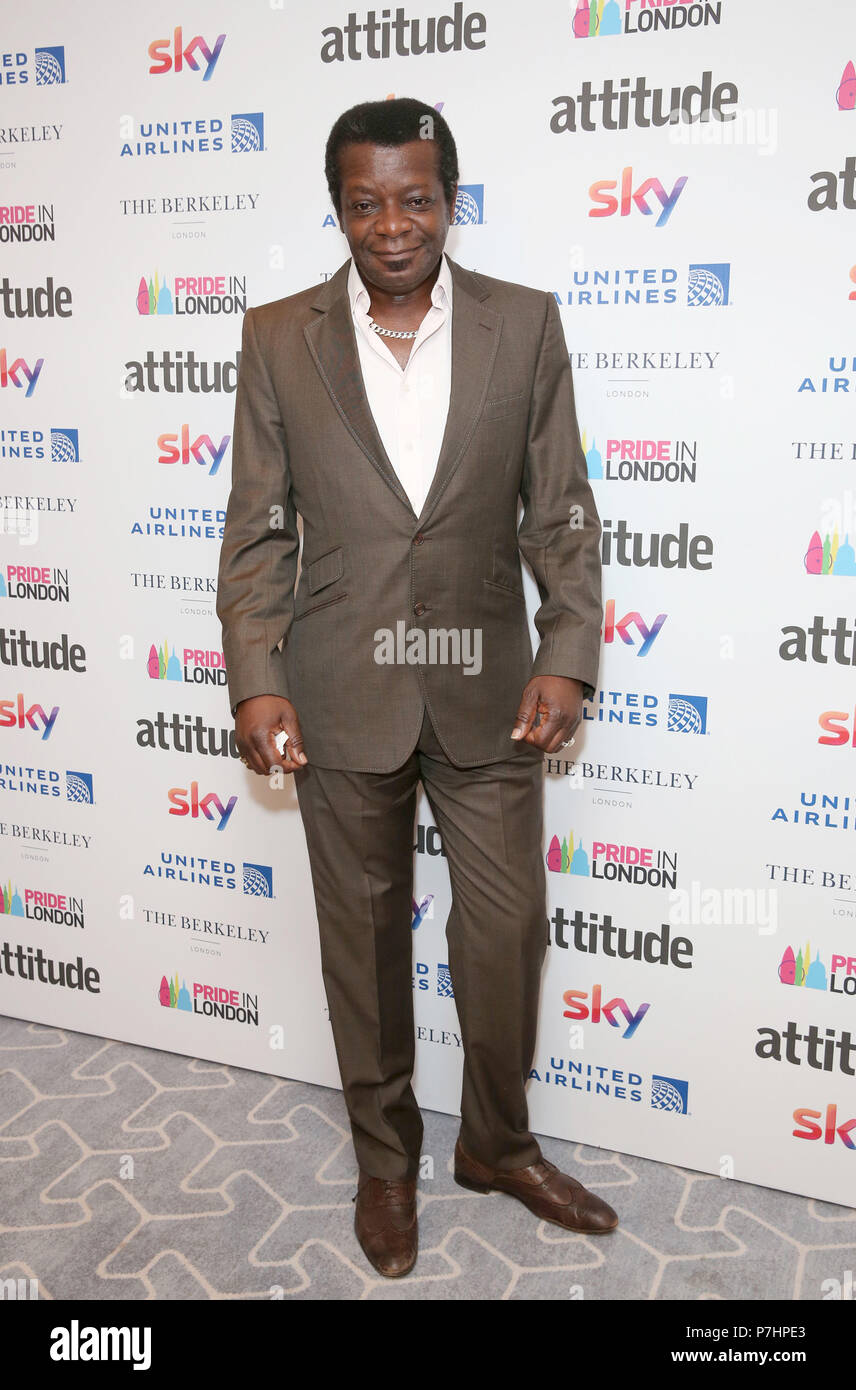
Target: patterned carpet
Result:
[129, 1173]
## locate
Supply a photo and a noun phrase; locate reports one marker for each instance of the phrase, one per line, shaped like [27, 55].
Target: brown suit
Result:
[305, 443]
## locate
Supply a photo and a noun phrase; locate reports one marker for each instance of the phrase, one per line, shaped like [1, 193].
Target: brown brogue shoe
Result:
[385, 1224]
[551, 1195]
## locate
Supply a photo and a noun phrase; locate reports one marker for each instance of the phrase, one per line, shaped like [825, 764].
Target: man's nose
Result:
[393, 221]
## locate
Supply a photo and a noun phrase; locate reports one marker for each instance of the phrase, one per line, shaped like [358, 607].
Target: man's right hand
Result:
[257, 722]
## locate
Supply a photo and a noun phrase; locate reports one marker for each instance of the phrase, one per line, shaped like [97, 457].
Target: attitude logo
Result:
[174, 55]
[469, 205]
[403, 37]
[214, 1001]
[834, 188]
[202, 135]
[16, 372]
[601, 19]
[195, 666]
[616, 1011]
[664, 551]
[58, 445]
[622, 626]
[35, 302]
[841, 648]
[625, 102]
[180, 371]
[44, 68]
[594, 937]
[822, 1049]
[192, 294]
[36, 905]
[29, 963]
[27, 222]
[800, 970]
[845, 97]
[642, 460]
[608, 204]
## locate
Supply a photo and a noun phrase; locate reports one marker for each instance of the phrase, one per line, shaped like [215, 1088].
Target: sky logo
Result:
[248, 133]
[420, 909]
[65, 447]
[687, 714]
[708, 285]
[18, 374]
[469, 205]
[668, 1093]
[184, 53]
[50, 67]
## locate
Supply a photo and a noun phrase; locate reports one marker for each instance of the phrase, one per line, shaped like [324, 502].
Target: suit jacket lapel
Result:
[475, 339]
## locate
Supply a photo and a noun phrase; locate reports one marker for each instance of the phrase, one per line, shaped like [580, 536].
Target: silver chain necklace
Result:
[392, 332]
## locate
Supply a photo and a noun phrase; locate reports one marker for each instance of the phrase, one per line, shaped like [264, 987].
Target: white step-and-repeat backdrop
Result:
[681, 176]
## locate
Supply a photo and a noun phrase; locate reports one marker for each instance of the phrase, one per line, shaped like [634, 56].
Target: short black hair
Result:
[393, 122]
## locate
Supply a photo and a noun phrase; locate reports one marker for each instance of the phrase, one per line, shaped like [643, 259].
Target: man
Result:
[402, 409]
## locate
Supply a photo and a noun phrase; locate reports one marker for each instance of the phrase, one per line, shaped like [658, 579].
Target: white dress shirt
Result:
[409, 404]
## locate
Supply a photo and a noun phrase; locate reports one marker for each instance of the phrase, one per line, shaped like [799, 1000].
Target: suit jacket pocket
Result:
[505, 589]
[501, 406]
[326, 570]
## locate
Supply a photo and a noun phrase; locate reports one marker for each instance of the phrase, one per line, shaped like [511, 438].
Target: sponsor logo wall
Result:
[164, 171]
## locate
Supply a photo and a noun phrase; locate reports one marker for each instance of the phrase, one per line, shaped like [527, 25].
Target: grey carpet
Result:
[129, 1173]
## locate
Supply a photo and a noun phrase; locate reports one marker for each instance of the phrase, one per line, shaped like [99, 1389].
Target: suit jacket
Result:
[305, 443]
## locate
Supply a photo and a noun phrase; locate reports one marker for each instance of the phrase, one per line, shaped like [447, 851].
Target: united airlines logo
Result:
[65, 447]
[687, 714]
[248, 133]
[469, 205]
[668, 1093]
[258, 880]
[78, 787]
[708, 286]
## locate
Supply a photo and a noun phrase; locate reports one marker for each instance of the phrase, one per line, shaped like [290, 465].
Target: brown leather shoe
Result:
[385, 1224]
[543, 1189]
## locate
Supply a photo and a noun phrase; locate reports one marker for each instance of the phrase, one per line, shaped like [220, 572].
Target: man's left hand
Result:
[557, 704]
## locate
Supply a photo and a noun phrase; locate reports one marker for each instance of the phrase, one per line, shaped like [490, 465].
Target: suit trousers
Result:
[360, 836]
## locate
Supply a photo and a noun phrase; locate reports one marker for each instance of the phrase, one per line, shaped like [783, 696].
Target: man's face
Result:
[394, 213]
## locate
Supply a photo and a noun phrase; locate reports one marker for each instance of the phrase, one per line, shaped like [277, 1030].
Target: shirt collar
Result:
[441, 292]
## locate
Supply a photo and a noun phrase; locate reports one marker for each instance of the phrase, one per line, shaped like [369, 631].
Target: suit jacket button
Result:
[419, 609]
[418, 539]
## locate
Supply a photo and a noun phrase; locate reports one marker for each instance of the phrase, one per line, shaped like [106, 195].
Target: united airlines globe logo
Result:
[50, 67]
[247, 133]
[707, 286]
[64, 446]
[258, 881]
[469, 205]
[687, 714]
[669, 1094]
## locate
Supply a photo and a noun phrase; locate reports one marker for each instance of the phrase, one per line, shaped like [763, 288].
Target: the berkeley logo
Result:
[433, 646]
[76, 1343]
